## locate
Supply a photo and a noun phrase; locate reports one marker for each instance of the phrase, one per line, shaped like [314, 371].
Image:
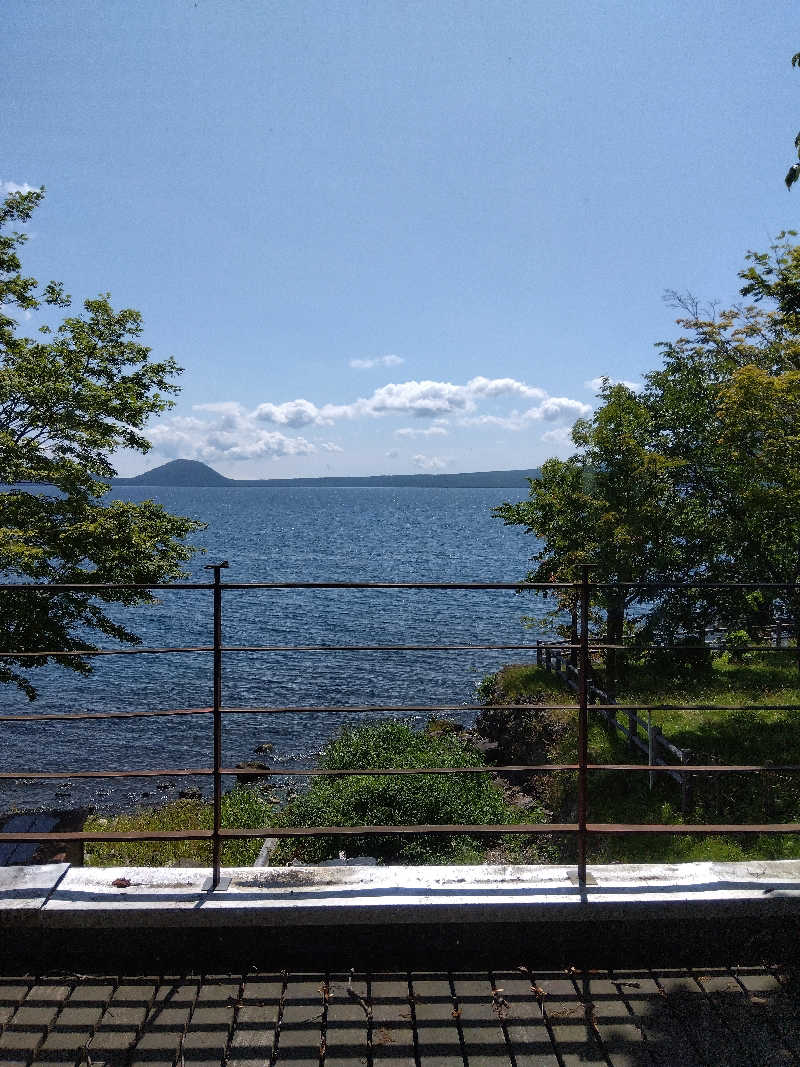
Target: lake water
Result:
[285, 535]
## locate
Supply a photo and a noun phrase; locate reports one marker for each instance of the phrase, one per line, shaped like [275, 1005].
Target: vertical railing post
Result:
[217, 709]
[583, 725]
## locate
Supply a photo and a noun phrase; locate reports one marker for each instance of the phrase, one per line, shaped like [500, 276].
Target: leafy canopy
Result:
[693, 477]
[69, 399]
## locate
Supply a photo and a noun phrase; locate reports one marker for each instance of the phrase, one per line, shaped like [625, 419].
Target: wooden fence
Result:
[641, 733]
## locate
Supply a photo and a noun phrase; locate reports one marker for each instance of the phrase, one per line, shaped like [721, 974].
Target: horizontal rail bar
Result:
[516, 768]
[362, 709]
[399, 585]
[266, 648]
[80, 716]
[700, 585]
[90, 587]
[105, 652]
[290, 831]
[167, 772]
[81, 587]
[693, 828]
[28, 654]
[378, 648]
[283, 708]
[112, 835]
[704, 829]
[693, 707]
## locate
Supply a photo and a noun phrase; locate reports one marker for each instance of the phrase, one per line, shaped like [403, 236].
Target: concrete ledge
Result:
[24, 891]
[61, 898]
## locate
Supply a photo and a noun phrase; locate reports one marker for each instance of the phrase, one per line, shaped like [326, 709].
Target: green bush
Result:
[363, 800]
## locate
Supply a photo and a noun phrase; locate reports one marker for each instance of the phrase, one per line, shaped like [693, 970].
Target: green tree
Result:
[68, 401]
[612, 505]
[693, 478]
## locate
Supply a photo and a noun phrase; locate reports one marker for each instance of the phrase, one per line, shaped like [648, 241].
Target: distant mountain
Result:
[193, 474]
[187, 472]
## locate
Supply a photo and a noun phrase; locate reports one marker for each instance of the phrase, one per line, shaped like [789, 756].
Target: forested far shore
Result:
[194, 474]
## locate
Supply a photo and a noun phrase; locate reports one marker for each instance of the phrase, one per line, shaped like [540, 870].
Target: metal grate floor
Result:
[742, 1016]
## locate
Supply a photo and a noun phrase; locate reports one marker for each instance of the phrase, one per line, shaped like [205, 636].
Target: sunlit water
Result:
[285, 535]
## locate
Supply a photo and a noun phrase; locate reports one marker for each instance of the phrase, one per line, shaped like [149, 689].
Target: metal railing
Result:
[581, 829]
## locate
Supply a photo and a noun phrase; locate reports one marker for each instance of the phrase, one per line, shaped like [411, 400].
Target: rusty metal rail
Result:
[582, 829]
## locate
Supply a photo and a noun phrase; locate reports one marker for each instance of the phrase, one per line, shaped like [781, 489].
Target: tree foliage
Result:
[694, 477]
[69, 399]
[384, 800]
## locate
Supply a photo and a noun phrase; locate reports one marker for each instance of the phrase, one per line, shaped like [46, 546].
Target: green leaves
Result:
[362, 800]
[697, 476]
[66, 406]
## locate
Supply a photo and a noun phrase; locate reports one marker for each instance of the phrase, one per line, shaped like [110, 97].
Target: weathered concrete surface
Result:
[24, 890]
[124, 897]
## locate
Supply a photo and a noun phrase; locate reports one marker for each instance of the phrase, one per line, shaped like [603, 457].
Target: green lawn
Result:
[741, 735]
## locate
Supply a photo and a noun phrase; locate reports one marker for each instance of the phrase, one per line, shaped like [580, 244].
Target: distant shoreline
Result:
[191, 474]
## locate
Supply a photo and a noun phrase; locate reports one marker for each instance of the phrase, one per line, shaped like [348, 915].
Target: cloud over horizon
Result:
[228, 430]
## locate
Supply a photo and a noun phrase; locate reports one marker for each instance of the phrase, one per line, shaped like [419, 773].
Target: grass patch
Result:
[243, 806]
[734, 736]
[352, 800]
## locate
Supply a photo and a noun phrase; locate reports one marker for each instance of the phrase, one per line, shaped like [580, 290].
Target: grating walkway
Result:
[738, 1016]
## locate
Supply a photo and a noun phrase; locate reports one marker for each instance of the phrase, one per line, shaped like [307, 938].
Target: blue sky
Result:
[393, 237]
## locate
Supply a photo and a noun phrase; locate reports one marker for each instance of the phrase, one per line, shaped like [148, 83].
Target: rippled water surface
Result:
[285, 535]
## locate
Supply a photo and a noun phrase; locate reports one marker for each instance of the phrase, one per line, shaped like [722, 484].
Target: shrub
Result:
[363, 800]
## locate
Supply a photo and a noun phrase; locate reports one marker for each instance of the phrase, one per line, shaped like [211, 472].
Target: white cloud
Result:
[557, 407]
[229, 430]
[379, 361]
[504, 387]
[552, 409]
[431, 399]
[15, 187]
[428, 463]
[392, 453]
[425, 399]
[233, 436]
[596, 384]
[292, 413]
[431, 431]
[559, 436]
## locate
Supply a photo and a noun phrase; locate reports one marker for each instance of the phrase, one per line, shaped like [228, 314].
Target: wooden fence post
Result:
[633, 728]
[686, 786]
[653, 735]
[538, 653]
